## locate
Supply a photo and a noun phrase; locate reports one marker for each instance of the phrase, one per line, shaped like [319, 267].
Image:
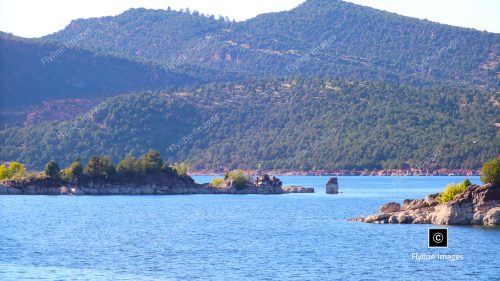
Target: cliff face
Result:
[477, 205]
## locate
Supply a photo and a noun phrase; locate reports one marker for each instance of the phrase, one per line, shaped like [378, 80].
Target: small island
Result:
[148, 175]
[459, 204]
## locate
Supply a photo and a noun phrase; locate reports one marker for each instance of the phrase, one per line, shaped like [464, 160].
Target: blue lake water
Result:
[237, 237]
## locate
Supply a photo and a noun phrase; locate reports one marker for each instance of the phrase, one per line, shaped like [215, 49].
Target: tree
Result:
[76, 170]
[4, 173]
[239, 179]
[52, 169]
[107, 167]
[100, 167]
[127, 166]
[94, 167]
[181, 169]
[491, 172]
[16, 170]
[150, 162]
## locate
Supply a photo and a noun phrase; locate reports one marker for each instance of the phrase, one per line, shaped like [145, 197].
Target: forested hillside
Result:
[289, 124]
[31, 72]
[318, 38]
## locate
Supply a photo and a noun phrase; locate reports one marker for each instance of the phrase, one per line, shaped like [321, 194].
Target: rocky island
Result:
[147, 175]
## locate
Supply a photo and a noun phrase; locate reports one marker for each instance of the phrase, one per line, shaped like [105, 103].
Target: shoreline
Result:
[337, 173]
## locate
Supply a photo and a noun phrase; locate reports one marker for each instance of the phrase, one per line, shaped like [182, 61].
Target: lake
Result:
[237, 237]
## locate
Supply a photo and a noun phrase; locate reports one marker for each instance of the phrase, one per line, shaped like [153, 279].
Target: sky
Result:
[35, 18]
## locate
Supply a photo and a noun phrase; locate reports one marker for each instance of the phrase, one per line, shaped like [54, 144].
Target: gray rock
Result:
[332, 186]
[390, 207]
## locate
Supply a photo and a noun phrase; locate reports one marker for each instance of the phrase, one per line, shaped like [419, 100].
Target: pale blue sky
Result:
[34, 18]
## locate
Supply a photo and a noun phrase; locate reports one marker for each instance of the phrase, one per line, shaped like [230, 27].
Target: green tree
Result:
[239, 179]
[150, 162]
[16, 170]
[52, 169]
[181, 169]
[74, 172]
[94, 168]
[127, 166]
[100, 167]
[491, 172]
[108, 167]
[4, 173]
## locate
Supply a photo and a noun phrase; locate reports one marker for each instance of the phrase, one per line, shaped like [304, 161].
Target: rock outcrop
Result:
[332, 186]
[477, 205]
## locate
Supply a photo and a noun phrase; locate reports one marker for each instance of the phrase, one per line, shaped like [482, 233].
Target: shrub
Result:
[4, 173]
[491, 172]
[52, 170]
[452, 190]
[181, 169]
[16, 170]
[239, 179]
[216, 182]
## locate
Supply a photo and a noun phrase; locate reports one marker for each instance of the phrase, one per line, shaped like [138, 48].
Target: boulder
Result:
[390, 207]
[492, 217]
[332, 186]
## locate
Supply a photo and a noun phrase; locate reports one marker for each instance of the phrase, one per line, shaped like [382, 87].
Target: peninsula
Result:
[148, 175]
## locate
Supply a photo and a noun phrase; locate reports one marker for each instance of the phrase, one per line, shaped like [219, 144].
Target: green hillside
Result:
[318, 38]
[286, 124]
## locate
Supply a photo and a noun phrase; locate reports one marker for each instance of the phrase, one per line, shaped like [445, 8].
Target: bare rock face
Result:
[4, 189]
[477, 205]
[390, 207]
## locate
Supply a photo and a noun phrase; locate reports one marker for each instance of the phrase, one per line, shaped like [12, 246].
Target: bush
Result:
[16, 170]
[181, 169]
[239, 179]
[52, 170]
[4, 173]
[452, 190]
[216, 182]
[491, 172]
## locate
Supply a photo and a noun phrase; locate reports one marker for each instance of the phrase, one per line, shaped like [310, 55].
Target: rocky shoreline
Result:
[477, 205]
[175, 188]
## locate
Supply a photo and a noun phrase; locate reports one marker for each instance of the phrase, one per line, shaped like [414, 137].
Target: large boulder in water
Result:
[332, 186]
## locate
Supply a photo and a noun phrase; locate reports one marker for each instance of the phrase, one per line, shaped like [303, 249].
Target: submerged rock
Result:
[477, 205]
